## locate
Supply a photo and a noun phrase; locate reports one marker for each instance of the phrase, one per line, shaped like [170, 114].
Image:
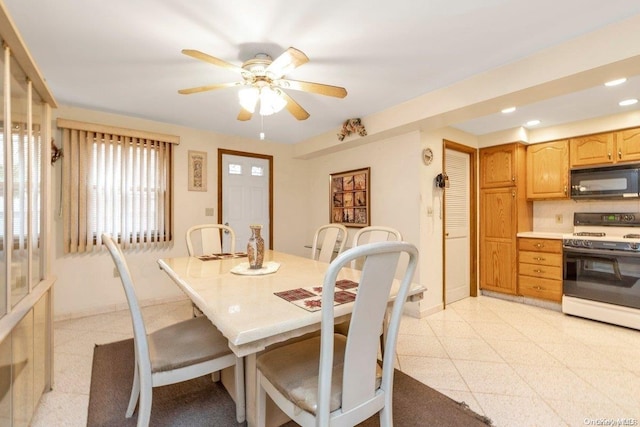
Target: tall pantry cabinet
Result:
[504, 211]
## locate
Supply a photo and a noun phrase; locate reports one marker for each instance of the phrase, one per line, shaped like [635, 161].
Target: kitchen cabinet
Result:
[540, 268]
[628, 145]
[606, 148]
[592, 150]
[504, 212]
[548, 170]
[498, 166]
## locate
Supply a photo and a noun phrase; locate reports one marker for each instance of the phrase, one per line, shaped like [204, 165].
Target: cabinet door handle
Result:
[538, 271]
[539, 258]
[609, 155]
[538, 288]
[513, 178]
[539, 245]
[619, 154]
[565, 190]
[513, 194]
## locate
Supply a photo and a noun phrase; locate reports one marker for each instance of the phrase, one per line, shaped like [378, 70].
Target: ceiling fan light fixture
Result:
[271, 101]
[249, 98]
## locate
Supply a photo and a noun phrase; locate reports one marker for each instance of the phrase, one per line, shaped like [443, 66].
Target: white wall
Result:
[85, 282]
[431, 225]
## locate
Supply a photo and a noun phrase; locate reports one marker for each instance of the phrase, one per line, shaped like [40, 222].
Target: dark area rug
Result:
[201, 402]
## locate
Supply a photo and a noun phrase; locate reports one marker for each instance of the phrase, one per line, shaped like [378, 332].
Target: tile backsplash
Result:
[547, 213]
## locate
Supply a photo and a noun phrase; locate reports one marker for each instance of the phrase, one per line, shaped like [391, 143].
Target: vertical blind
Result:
[117, 182]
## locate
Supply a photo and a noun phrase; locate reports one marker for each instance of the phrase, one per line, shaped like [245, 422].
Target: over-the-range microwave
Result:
[610, 182]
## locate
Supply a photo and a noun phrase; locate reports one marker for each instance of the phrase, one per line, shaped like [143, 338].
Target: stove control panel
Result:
[626, 219]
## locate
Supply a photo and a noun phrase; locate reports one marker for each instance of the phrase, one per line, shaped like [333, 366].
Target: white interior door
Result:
[457, 227]
[245, 197]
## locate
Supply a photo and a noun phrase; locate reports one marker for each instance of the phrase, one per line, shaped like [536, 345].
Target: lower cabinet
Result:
[540, 268]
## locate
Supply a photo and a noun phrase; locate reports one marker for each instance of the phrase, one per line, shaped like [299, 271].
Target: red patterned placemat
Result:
[212, 257]
[310, 298]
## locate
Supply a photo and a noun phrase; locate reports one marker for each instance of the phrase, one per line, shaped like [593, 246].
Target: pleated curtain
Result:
[117, 183]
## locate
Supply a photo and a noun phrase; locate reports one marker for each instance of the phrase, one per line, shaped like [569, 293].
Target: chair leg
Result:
[261, 402]
[144, 407]
[240, 392]
[386, 416]
[135, 392]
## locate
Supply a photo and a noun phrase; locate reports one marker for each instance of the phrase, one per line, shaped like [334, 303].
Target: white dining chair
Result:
[336, 380]
[371, 234]
[206, 239]
[173, 354]
[328, 240]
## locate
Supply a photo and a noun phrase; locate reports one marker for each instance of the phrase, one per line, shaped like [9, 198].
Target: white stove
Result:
[602, 268]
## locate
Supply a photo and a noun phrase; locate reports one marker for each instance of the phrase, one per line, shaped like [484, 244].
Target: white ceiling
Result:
[123, 56]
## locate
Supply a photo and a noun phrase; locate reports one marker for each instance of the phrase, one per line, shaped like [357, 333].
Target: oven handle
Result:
[605, 252]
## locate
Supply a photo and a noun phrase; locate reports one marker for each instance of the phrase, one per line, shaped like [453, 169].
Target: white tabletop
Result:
[244, 307]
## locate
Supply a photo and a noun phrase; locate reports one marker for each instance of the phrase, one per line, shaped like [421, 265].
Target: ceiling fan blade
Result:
[295, 109]
[319, 88]
[289, 60]
[208, 87]
[212, 60]
[244, 115]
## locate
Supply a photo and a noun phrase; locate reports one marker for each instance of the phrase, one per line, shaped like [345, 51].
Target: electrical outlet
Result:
[208, 211]
[558, 218]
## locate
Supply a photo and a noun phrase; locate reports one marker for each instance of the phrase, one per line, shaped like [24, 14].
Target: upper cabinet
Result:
[628, 145]
[592, 150]
[498, 166]
[606, 148]
[548, 170]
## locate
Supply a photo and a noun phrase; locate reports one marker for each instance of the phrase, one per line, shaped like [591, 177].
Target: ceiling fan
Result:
[264, 81]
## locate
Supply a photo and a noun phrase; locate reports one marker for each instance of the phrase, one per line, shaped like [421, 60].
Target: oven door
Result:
[607, 276]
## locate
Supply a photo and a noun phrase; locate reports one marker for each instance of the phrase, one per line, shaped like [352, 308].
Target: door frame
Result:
[222, 152]
[473, 219]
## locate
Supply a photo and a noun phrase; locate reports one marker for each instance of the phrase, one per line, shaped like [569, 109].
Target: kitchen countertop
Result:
[542, 234]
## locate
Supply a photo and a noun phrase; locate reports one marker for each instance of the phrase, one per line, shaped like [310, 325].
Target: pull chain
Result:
[261, 127]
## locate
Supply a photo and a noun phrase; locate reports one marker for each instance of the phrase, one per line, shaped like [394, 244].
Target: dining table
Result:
[258, 308]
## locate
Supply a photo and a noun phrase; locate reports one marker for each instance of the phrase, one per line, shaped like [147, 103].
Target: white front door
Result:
[245, 196]
[457, 226]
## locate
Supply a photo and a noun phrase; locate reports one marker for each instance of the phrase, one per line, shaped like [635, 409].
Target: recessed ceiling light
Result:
[533, 122]
[616, 82]
[627, 102]
[509, 110]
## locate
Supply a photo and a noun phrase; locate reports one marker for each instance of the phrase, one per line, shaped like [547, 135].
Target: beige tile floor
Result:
[518, 364]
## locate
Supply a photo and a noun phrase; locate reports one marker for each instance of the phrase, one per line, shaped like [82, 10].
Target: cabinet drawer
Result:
[540, 288]
[541, 258]
[537, 270]
[540, 245]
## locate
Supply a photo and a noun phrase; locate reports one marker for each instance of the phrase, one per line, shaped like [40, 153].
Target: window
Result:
[115, 181]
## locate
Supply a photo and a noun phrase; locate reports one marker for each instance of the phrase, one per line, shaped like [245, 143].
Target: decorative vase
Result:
[255, 247]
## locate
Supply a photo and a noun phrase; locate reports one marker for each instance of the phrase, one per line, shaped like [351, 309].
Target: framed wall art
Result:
[197, 171]
[350, 198]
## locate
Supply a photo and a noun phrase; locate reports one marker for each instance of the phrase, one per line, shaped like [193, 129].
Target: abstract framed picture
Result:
[197, 171]
[350, 198]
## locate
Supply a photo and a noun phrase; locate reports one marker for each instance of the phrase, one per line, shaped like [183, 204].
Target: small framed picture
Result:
[197, 171]
[349, 198]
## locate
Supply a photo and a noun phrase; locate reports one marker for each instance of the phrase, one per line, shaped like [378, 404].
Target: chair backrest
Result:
[381, 260]
[330, 237]
[371, 234]
[205, 239]
[139, 330]
[375, 233]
